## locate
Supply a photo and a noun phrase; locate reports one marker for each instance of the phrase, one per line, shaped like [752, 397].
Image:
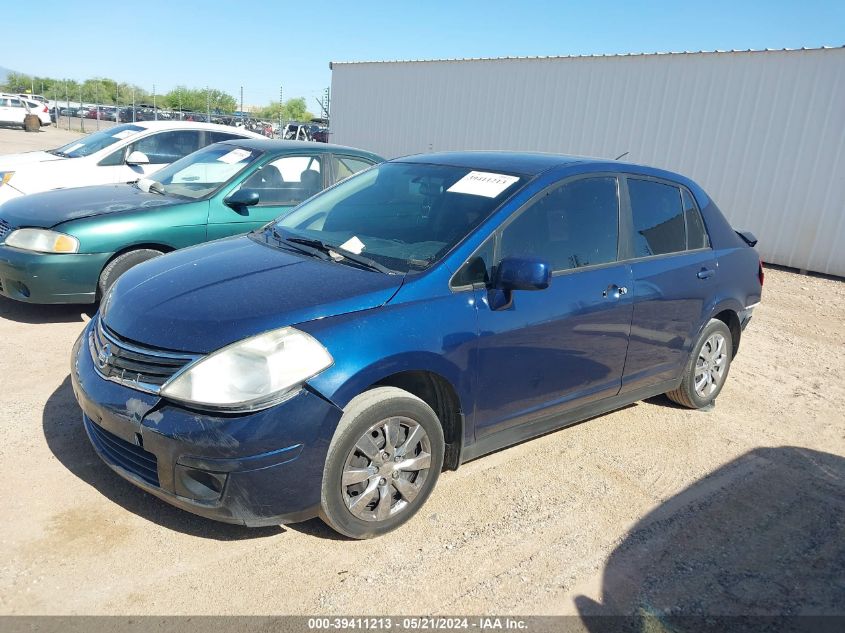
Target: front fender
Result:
[437, 335]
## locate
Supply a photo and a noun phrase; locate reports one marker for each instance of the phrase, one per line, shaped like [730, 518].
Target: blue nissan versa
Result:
[415, 316]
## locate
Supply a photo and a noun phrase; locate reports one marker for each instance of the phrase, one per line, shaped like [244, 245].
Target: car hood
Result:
[9, 162]
[49, 208]
[202, 298]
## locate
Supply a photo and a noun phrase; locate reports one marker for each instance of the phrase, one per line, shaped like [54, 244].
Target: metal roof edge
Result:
[332, 64]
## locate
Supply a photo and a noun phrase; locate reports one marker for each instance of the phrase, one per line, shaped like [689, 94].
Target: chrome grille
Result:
[130, 364]
[5, 229]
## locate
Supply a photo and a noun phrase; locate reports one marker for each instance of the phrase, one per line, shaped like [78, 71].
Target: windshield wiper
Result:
[361, 260]
[302, 247]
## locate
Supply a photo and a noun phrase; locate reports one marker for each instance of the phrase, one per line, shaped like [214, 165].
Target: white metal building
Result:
[762, 131]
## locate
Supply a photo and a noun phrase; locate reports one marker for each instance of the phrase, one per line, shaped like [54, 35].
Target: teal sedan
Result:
[70, 245]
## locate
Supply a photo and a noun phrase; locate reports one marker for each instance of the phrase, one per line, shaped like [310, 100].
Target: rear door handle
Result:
[705, 273]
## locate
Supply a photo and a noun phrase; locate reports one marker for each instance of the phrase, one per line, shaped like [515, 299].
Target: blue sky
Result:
[262, 44]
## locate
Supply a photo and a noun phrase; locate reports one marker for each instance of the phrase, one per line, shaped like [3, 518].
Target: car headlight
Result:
[252, 374]
[42, 241]
[5, 177]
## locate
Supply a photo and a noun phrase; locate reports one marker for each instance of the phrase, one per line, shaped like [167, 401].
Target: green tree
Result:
[292, 110]
[198, 100]
[17, 82]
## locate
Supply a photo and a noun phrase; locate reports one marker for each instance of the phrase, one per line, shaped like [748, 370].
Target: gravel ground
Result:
[736, 510]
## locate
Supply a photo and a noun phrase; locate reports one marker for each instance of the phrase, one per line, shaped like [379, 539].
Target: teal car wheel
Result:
[120, 264]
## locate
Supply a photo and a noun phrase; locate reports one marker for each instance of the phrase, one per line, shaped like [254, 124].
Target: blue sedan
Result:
[418, 315]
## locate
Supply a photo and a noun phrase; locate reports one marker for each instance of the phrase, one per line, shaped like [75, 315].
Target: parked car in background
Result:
[30, 97]
[70, 245]
[420, 314]
[40, 109]
[123, 153]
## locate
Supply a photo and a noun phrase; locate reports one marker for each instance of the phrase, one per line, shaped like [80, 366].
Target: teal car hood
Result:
[50, 208]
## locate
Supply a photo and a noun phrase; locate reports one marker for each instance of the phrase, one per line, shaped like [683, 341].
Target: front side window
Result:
[97, 141]
[405, 216]
[166, 147]
[658, 217]
[203, 172]
[573, 226]
[288, 180]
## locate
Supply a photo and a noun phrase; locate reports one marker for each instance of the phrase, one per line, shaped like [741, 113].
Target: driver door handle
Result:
[705, 273]
[614, 292]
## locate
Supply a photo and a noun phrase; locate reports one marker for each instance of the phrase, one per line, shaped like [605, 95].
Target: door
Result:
[555, 349]
[281, 184]
[674, 280]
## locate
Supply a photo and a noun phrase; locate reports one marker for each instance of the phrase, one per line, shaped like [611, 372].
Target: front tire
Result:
[383, 462]
[120, 264]
[707, 368]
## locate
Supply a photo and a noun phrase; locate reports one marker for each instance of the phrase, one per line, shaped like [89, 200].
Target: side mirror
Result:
[523, 273]
[242, 198]
[137, 158]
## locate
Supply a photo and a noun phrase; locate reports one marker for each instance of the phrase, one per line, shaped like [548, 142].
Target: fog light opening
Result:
[199, 485]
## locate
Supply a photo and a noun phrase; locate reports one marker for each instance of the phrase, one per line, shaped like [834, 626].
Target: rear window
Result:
[658, 216]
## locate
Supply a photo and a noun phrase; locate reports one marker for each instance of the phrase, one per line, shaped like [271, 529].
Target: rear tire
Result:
[383, 462]
[707, 368]
[120, 264]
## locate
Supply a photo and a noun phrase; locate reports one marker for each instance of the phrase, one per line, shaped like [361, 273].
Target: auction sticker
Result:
[73, 148]
[483, 183]
[235, 156]
[124, 133]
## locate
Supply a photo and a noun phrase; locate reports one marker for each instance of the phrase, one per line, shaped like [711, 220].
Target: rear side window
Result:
[346, 166]
[658, 218]
[572, 226]
[217, 137]
[696, 234]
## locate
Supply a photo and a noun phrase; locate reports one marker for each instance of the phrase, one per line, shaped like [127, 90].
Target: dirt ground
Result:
[736, 510]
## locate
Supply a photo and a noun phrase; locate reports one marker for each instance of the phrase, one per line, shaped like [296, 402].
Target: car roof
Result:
[535, 163]
[193, 125]
[264, 144]
[524, 163]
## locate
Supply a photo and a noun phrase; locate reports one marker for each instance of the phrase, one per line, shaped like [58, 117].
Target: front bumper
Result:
[263, 468]
[48, 278]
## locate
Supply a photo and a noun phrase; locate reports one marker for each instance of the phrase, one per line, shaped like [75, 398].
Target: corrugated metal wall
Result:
[763, 132]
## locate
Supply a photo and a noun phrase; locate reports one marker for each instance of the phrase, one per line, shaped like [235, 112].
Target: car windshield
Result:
[404, 216]
[202, 173]
[97, 141]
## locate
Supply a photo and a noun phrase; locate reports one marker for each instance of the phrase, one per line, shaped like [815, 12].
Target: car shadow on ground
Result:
[760, 538]
[33, 313]
[62, 426]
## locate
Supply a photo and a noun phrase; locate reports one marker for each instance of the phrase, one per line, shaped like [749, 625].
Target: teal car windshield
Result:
[202, 173]
[404, 216]
[97, 141]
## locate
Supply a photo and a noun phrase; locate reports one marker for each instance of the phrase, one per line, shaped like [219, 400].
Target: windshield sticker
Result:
[73, 148]
[353, 245]
[124, 134]
[235, 156]
[482, 183]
